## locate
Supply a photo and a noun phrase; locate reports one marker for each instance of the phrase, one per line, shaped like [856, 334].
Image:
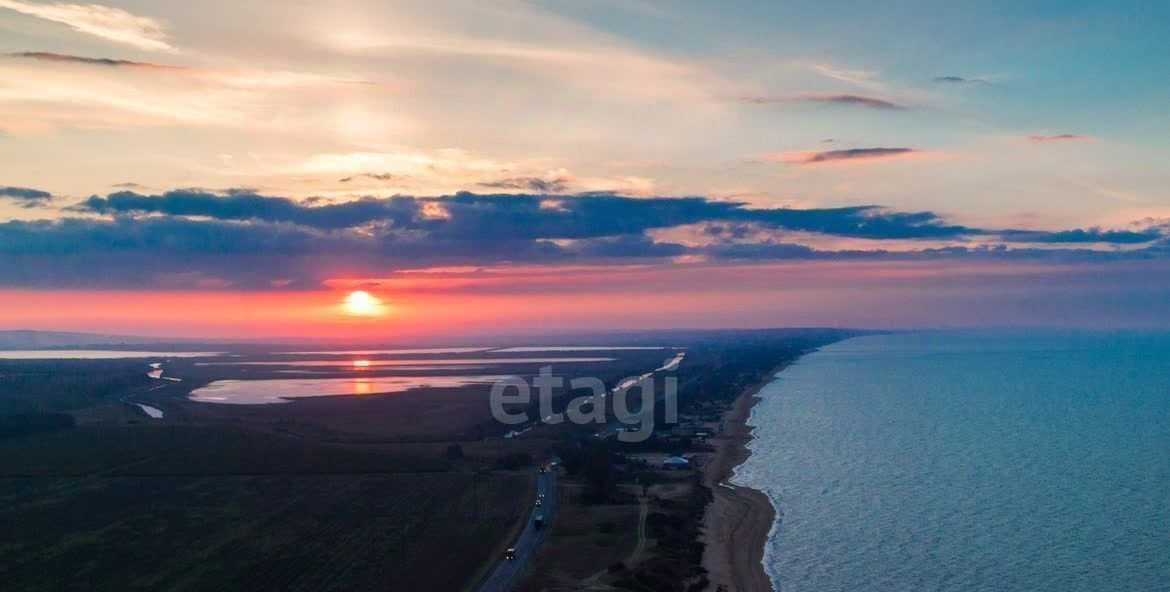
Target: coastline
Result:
[738, 519]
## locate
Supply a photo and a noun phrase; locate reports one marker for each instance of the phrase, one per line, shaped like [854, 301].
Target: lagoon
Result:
[281, 390]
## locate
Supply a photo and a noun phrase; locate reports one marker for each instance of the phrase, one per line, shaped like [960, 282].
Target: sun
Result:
[360, 303]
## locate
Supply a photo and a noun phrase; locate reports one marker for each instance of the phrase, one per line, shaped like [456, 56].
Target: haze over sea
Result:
[969, 461]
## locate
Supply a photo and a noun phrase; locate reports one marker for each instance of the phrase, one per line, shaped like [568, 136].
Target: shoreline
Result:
[738, 519]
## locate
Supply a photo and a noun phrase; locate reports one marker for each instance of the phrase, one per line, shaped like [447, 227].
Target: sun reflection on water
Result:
[361, 386]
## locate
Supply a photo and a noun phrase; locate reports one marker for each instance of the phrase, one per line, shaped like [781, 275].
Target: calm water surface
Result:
[410, 362]
[95, 354]
[280, 390]
[969, 462]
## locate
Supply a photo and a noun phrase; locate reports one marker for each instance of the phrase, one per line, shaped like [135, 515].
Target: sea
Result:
[973, 461]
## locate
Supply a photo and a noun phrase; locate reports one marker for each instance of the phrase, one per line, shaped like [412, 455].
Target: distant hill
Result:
[25, 339]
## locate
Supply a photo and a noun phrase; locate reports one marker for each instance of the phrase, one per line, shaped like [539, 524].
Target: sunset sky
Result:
[238, 168]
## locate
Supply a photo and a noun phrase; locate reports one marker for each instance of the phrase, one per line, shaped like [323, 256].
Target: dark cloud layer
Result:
[1081, 235]
[479, 216]
[242, 238]
[249, 206]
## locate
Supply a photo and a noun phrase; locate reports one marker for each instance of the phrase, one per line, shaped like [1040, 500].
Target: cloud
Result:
[863, 78]
[1082, 235]
[241, 238]
[45, 91]
[554, 185]
[111, 24]
[846, 155]
[526, 216]
[244, 205]
[73, 59]
[1061, 138]
[26, 197]
[830, 99]
[958, 80]
[374, 176]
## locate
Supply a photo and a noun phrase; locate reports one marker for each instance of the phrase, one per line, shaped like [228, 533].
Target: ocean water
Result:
[969, 461]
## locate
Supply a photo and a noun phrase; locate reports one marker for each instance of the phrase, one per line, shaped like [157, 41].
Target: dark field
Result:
[282, 532]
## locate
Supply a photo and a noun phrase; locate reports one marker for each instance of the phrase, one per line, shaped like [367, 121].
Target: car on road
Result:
[510, 554]
[539, 501]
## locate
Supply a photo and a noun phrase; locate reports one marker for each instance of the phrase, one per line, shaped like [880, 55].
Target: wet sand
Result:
[739, 518]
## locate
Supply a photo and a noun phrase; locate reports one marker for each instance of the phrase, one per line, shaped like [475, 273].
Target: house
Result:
[676, 462]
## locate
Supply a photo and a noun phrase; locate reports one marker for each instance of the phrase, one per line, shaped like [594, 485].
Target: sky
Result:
[237, 168]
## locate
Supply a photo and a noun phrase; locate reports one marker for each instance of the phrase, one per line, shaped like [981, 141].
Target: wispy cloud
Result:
[1061, 138]
[112, 24]
[74, 59]
[846, 155]
[374, 176]
[47, 91]
[830, 99]
[951, 79]
[538, 184]
[863, 78]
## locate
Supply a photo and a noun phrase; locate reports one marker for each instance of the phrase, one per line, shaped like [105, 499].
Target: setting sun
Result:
[363, 304]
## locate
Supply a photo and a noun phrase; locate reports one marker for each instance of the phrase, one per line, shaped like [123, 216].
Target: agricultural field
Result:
[282, 532]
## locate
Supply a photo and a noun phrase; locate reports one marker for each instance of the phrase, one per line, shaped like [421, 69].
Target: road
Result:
[507, 572]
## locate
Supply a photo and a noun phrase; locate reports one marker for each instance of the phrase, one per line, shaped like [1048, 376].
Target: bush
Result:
[23, 424]
[454, 452]
[514, 461]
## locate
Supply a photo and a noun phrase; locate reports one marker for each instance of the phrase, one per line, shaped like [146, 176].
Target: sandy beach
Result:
[739, 518]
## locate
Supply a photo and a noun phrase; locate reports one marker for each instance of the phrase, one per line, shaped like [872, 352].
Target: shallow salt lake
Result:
[411, 362]
[571, 348]
[390, 352]
[153, 412]
[255, 392]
